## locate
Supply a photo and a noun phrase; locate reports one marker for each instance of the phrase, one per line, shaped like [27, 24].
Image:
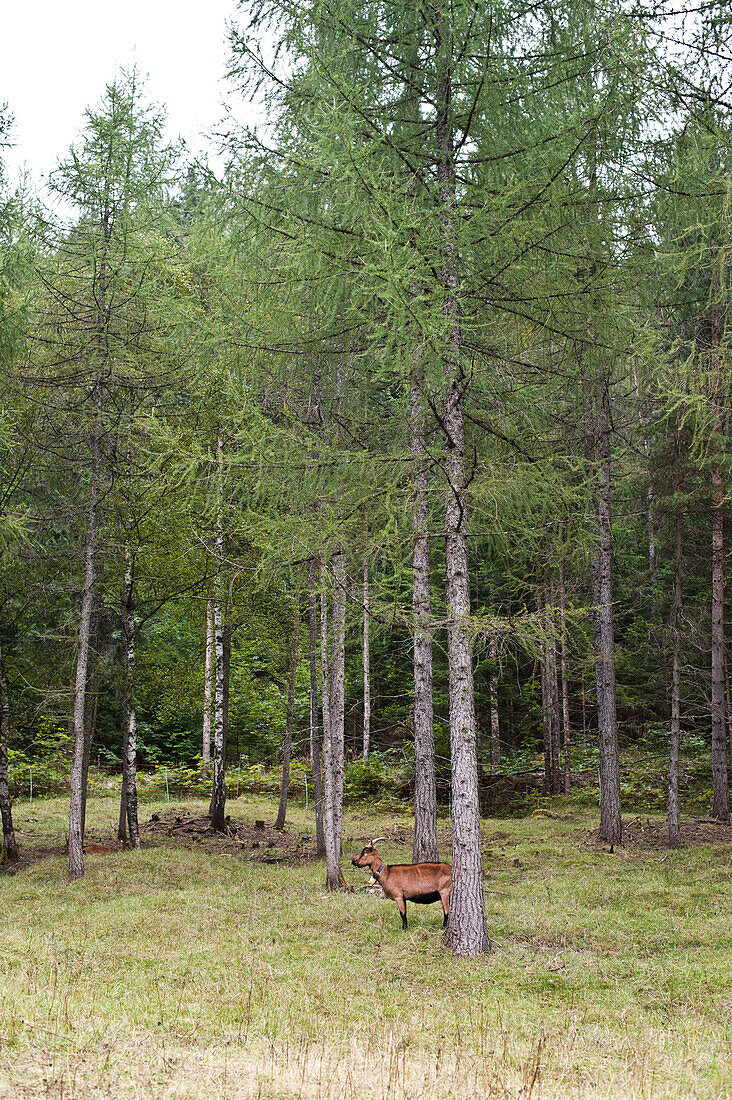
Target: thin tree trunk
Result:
[337, 706]
[366, 664]
[289, 723]
[466, 933]
[10, 845]
[425, 847]
[315, 739]
[90, 725]
[76, 800]
[495, 721]
[332, 849]
[218, 793]
[546, 719]
[208, 676]
[674, 827]
[555, 724]
[566, 733]
[130, 760]
[601, 569]
[720, 778]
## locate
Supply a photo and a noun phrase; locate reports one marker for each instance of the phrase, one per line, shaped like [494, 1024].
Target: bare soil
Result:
[642, 834]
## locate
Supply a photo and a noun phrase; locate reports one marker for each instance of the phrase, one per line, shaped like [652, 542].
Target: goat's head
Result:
[369, 857]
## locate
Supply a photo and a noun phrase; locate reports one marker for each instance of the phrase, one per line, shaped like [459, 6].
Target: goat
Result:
[419, 882]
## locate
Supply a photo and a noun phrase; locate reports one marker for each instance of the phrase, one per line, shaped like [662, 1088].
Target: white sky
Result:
[57, 55]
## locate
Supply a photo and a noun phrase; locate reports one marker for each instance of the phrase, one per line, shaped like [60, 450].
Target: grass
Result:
[178, 973]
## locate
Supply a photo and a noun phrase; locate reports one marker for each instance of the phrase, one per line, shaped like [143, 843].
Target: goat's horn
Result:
[376, 840]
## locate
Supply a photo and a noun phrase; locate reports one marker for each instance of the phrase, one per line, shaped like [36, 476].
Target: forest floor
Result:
[218, 968]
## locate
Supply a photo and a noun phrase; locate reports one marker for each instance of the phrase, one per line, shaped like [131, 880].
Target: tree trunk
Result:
[130, 759]
[720, 779]
[466, 933]
[366, 664]
[76, 800]
[495, 723]
[555, 723]
[337, 712]
[425, 847]
[218, 793]
[208, 676]
[332, 851]
[90, 725]
[566, 734]
[674, 827]
[289, 723]
[10, 845]
[601, 570]
[315, 739]
[546, 722]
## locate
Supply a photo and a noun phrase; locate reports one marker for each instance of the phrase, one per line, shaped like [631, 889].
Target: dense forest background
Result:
[456, 310]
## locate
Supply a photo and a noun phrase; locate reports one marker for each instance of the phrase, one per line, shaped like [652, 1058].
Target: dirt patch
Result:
[644, 834]
[29, 856]
[257, 840]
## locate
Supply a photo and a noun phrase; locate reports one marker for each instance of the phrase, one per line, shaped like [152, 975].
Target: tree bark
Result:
[495, 722]
[555, 724]
[566, 731]
[332, 849]
[720, 778]
[218, 793]
[674, 827]
[366, 664]
[208, 676]
[337, 713]
[315, 739]
[546, 719]
[10, 844]
[466, 934]
[425, 847]
[289, 723]
[601, 570]
[76, 800]
[90, 725]
[130, 759]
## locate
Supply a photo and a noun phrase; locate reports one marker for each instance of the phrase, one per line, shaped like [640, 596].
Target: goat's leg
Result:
[445, 899]
[403, 910]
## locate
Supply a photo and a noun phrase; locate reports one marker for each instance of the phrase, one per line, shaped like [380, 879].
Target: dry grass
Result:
[182, 973]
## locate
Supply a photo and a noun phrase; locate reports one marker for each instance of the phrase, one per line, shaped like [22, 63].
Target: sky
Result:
[56, 56]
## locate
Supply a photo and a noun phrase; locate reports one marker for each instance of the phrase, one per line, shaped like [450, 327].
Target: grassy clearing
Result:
[176, 973]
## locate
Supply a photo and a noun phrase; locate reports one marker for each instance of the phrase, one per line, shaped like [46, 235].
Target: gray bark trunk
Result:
[289, 724]
[10, 844]
[601, 569]
[315, 740]
[554, 716]
[495, 721]
[130, 758]
[218, 793]
[77, 792]
[674, 825]
[366, 664]
[332, 853]
[208, 676]
[338, 709]
[90, 725]
[425, 847]
[466, 933]
[720, 778]
[566, 730]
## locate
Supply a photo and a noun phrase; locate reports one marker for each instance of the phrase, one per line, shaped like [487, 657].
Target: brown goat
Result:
[419, 882]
